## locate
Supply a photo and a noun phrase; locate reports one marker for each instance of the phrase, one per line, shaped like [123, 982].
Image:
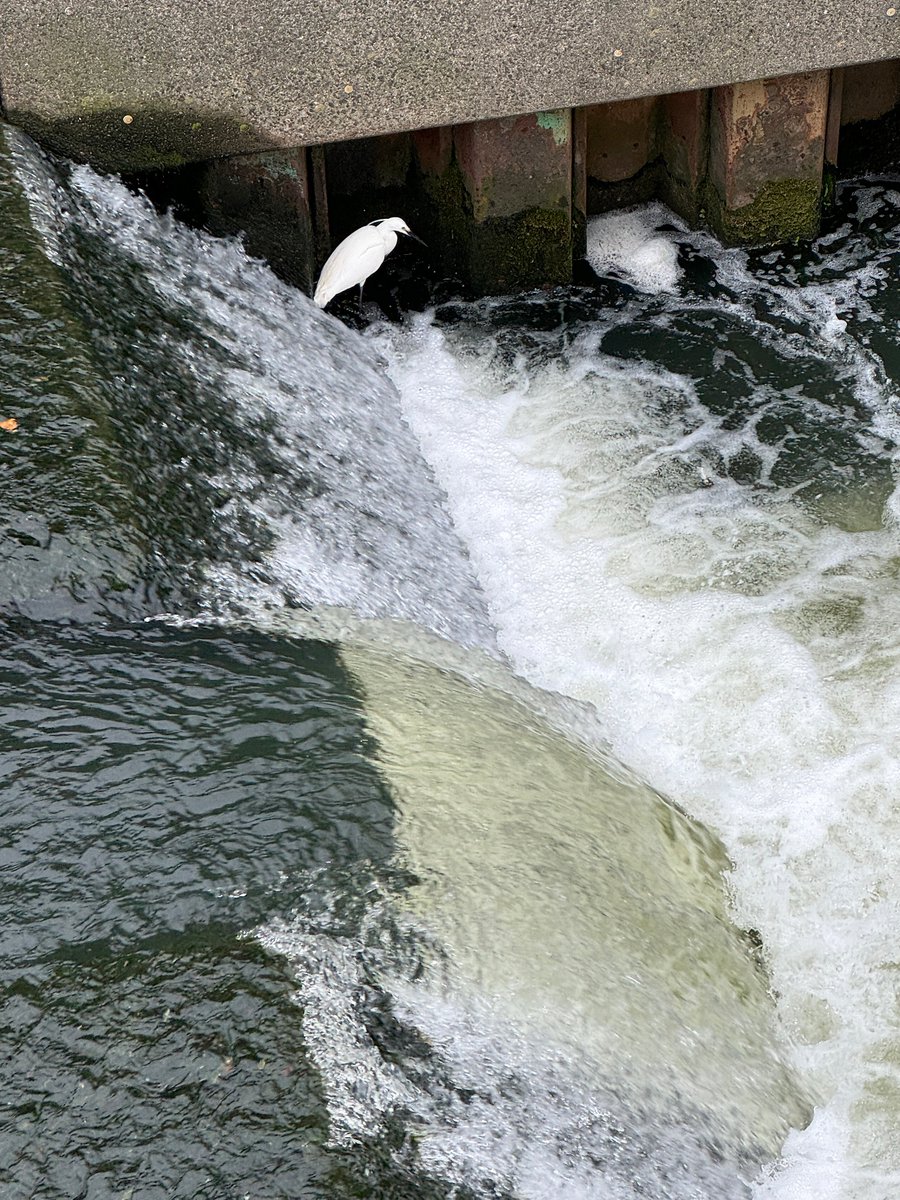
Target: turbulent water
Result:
[692, 525]
[456, 761]
[301, 485]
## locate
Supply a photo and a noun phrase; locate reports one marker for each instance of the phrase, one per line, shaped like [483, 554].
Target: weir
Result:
[510, 686]
[435, 818]
[491, 127]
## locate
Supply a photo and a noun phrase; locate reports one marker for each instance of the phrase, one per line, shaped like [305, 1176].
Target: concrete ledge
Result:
[202, 78]
[766, 158]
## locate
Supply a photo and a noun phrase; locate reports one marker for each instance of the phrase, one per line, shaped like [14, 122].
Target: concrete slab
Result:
[265, 199]
[207, 77]
[766, 158]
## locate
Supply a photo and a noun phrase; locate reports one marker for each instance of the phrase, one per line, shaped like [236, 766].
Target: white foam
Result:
[627, 244]
[333, 476]
[500, 1112]
[740, 653]
[361, 1088]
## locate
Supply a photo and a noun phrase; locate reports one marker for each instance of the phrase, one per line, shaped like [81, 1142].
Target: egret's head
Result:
[397, 224]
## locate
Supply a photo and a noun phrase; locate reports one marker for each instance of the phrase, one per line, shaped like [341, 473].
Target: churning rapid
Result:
[455, 760]
[681, 500]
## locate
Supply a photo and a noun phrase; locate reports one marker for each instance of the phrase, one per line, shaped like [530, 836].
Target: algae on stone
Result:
[785, 210]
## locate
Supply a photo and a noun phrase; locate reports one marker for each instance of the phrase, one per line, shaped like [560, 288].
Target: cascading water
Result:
[692, 526]
[513, 964]
[285, 495]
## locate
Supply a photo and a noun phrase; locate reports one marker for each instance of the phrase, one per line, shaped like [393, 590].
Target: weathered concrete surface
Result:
[206, 77]
[265, 198]
[683, 142]
[502, 199]
[621, 138]
[835, 116]
[766, 158]
[579, 181]
[366, 179]
[517, 172]
[654, 147]
[870, 91]
[749, 159]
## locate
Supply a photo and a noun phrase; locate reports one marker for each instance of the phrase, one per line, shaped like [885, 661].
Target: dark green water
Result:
[298, 899]
[162, 793]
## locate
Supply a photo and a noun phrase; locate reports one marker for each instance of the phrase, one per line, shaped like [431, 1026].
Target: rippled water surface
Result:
[456, 761]
[163, 792]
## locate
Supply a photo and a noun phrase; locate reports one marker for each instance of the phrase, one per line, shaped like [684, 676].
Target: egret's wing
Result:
[350, 263]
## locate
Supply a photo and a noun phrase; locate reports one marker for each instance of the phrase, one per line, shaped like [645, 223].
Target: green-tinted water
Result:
[300, 900]
[162, 792]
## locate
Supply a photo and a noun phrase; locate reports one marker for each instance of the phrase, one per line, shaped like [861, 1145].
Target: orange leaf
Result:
[10, 425]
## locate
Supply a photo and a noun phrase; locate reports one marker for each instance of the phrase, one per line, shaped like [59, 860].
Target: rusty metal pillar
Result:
[516, 177]
[683, 141]
[264, 198]
[622, 153]
[766, 159]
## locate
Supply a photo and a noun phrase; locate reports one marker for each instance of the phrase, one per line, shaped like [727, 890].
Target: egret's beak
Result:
[417, 239]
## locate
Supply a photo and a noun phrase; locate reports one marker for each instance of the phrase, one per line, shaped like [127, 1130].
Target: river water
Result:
[455, 760]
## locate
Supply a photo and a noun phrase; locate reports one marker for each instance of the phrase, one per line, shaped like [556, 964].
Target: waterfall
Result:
[250, 553]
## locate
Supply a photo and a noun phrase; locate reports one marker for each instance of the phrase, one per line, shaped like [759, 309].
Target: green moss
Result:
[558, 121]
[532, 248]
[527, 250]
[447, 217]
[785, 210]
[151, 159]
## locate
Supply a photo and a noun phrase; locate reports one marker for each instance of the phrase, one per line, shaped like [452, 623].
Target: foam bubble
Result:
[629, 245]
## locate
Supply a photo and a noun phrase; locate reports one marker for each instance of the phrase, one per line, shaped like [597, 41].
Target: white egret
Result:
[358, 256]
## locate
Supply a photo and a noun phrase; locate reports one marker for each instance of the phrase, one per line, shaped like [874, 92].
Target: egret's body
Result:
[358, 256]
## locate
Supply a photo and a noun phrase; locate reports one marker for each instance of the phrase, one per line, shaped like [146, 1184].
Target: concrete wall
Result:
[502, 203]
[201, 78]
